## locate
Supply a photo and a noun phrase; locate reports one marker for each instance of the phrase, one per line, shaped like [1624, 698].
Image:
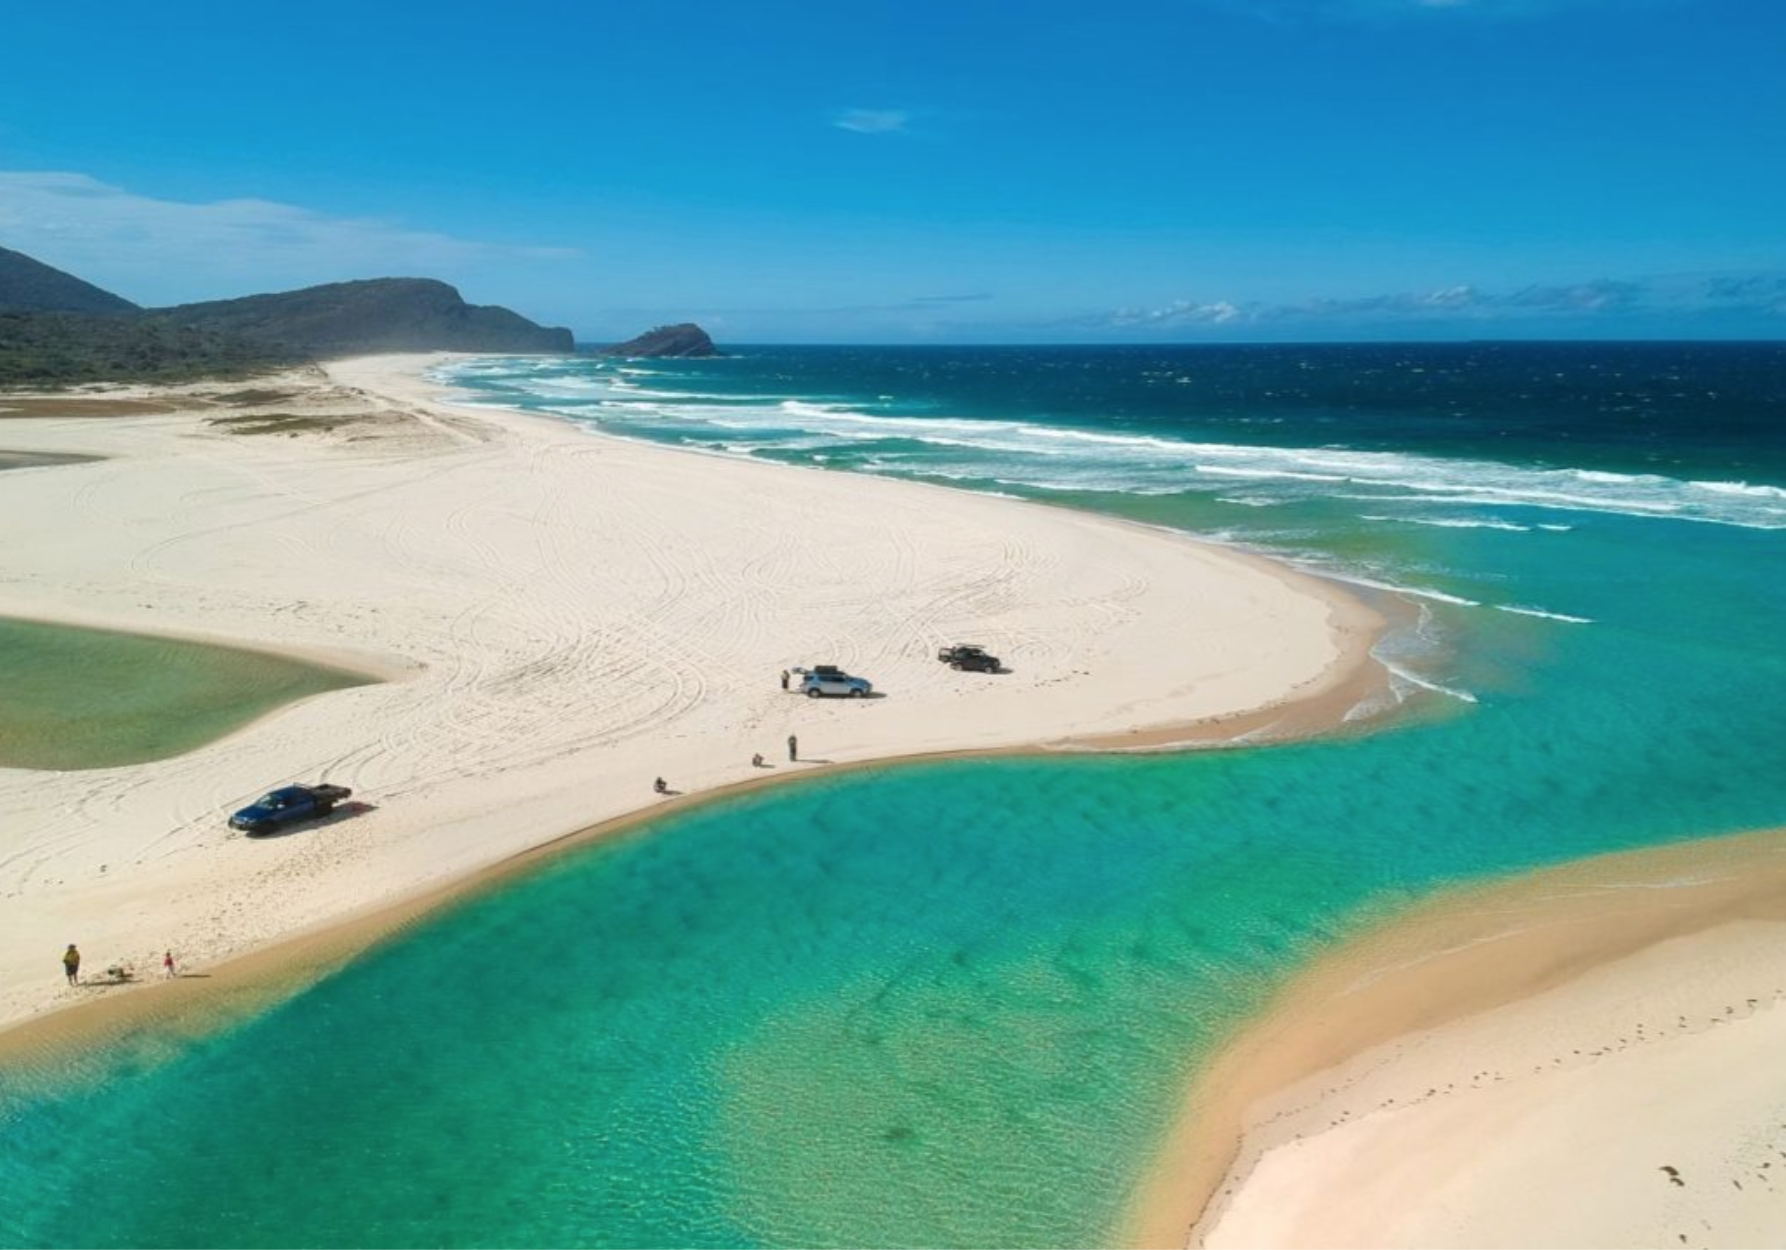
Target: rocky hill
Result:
[363, 318]
[687, 339]
[28, 286]
[56, 329]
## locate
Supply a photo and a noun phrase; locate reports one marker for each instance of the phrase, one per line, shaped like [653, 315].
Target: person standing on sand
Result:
[793, 748]
[784, 679]
[167, 966]
[71, 964]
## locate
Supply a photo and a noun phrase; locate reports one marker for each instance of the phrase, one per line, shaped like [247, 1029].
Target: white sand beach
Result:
[562, 618]
[1587, 1056]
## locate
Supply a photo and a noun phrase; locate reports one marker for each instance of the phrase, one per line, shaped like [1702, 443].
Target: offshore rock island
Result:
[683, 341]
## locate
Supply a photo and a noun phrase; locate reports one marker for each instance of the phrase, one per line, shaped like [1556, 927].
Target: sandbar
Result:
[1586, 1055]
[559, 618]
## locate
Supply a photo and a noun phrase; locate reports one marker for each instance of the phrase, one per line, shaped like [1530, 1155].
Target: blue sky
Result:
[1155, 170]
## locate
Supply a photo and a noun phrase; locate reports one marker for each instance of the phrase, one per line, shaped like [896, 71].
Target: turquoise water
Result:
[956, 1004]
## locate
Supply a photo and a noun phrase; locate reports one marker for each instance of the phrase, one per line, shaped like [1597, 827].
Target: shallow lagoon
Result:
[91, 698]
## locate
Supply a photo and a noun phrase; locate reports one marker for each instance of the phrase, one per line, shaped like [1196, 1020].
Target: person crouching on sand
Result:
[661, 786]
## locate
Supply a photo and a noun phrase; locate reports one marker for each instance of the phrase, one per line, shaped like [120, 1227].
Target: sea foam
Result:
[1064, 458]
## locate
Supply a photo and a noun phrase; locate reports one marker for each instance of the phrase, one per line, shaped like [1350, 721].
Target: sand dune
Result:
[562, 617]
[1583, 1056]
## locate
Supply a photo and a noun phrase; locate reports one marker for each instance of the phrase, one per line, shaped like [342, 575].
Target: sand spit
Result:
[1582, 1056]
[560, 618]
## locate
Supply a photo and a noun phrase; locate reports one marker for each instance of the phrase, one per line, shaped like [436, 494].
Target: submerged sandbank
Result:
[575, 615]
[1560, 1035]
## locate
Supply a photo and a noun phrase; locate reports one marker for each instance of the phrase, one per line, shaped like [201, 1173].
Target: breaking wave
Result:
[1039, 456]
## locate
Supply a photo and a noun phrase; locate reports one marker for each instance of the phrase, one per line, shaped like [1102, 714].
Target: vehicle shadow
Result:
[111, 979]
[343, 812]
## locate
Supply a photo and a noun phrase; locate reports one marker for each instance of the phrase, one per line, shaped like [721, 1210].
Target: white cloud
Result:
[872, 121]
[1461, 296]
[1757, 299]
[1182, 312]
[169, 251]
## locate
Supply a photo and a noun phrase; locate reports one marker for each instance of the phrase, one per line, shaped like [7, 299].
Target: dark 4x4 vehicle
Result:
[287, 806]
[969, 657]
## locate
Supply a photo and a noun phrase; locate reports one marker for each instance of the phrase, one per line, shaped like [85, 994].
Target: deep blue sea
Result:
[957, 1004]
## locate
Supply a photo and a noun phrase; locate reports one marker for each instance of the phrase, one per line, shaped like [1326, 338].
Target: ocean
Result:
[958, 1003]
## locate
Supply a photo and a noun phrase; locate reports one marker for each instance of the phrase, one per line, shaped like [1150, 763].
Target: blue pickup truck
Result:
[287, 805]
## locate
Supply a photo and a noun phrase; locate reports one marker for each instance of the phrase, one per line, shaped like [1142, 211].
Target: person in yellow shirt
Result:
[71, 964]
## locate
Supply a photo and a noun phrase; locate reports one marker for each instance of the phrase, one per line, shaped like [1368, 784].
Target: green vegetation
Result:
[292, 423]
[253, 397]
[39, 459]
[56, 330]
[65, 349]
[379, 315]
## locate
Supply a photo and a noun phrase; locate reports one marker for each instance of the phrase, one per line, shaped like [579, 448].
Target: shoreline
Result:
[410, 434]
[1420, 1046]
[1363, 615]
[256, 979]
